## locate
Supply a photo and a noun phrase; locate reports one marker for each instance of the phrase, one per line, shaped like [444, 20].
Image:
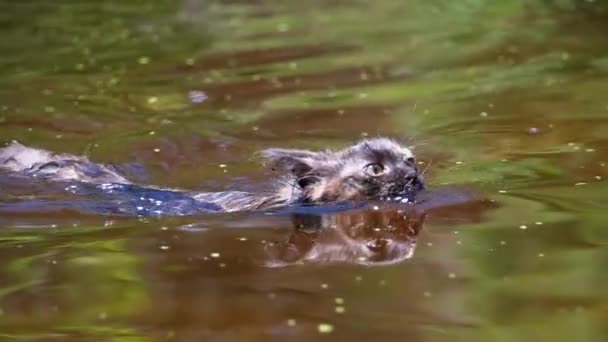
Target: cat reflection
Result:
[365, 237]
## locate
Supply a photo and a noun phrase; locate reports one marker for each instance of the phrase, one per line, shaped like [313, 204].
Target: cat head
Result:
[371, 169]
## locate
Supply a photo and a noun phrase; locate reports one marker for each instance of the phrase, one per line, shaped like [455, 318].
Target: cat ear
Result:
[299, 162]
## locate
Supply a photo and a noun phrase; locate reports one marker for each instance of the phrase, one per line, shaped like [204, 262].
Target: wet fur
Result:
[371, 169]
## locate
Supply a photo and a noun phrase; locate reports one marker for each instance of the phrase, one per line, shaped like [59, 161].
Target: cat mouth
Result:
[417, 184]
[414, 183]
[405, 193]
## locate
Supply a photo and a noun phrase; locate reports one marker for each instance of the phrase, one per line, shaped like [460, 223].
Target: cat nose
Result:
[414, 179]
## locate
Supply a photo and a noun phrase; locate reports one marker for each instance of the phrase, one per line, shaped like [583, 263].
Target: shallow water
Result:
[506, 99]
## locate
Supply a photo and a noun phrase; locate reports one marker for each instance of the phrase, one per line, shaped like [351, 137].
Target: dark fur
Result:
[371, 169]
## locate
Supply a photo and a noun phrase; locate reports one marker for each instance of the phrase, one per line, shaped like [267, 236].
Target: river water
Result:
[503, 101]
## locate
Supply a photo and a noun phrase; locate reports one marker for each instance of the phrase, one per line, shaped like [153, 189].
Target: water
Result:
[506, 99]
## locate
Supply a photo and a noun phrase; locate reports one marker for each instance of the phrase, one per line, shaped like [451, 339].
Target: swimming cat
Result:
[371, 169]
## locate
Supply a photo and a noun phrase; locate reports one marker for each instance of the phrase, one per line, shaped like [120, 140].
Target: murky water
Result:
[506, 99]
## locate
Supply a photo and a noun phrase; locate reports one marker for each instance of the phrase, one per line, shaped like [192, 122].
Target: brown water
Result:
[504, 97]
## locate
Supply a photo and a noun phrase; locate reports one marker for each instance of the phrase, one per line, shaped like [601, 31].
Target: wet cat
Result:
[371, 169]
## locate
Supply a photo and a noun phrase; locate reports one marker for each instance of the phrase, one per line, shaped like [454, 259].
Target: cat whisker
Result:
[426, 168]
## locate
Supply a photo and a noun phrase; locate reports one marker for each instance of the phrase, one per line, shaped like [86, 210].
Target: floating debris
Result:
[533, 130]
[197, 96]
[325, 328]
[214, 255]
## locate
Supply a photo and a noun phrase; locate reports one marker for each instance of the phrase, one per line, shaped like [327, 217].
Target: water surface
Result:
[503, 97]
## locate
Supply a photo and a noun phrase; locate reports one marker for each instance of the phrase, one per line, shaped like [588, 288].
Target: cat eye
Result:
[410, 160]
[374, 169]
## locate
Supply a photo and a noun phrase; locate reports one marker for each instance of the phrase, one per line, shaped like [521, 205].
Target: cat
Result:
[371, 169]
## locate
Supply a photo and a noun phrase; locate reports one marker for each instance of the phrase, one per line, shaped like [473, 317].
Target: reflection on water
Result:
[506, 98]
[370, 238]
